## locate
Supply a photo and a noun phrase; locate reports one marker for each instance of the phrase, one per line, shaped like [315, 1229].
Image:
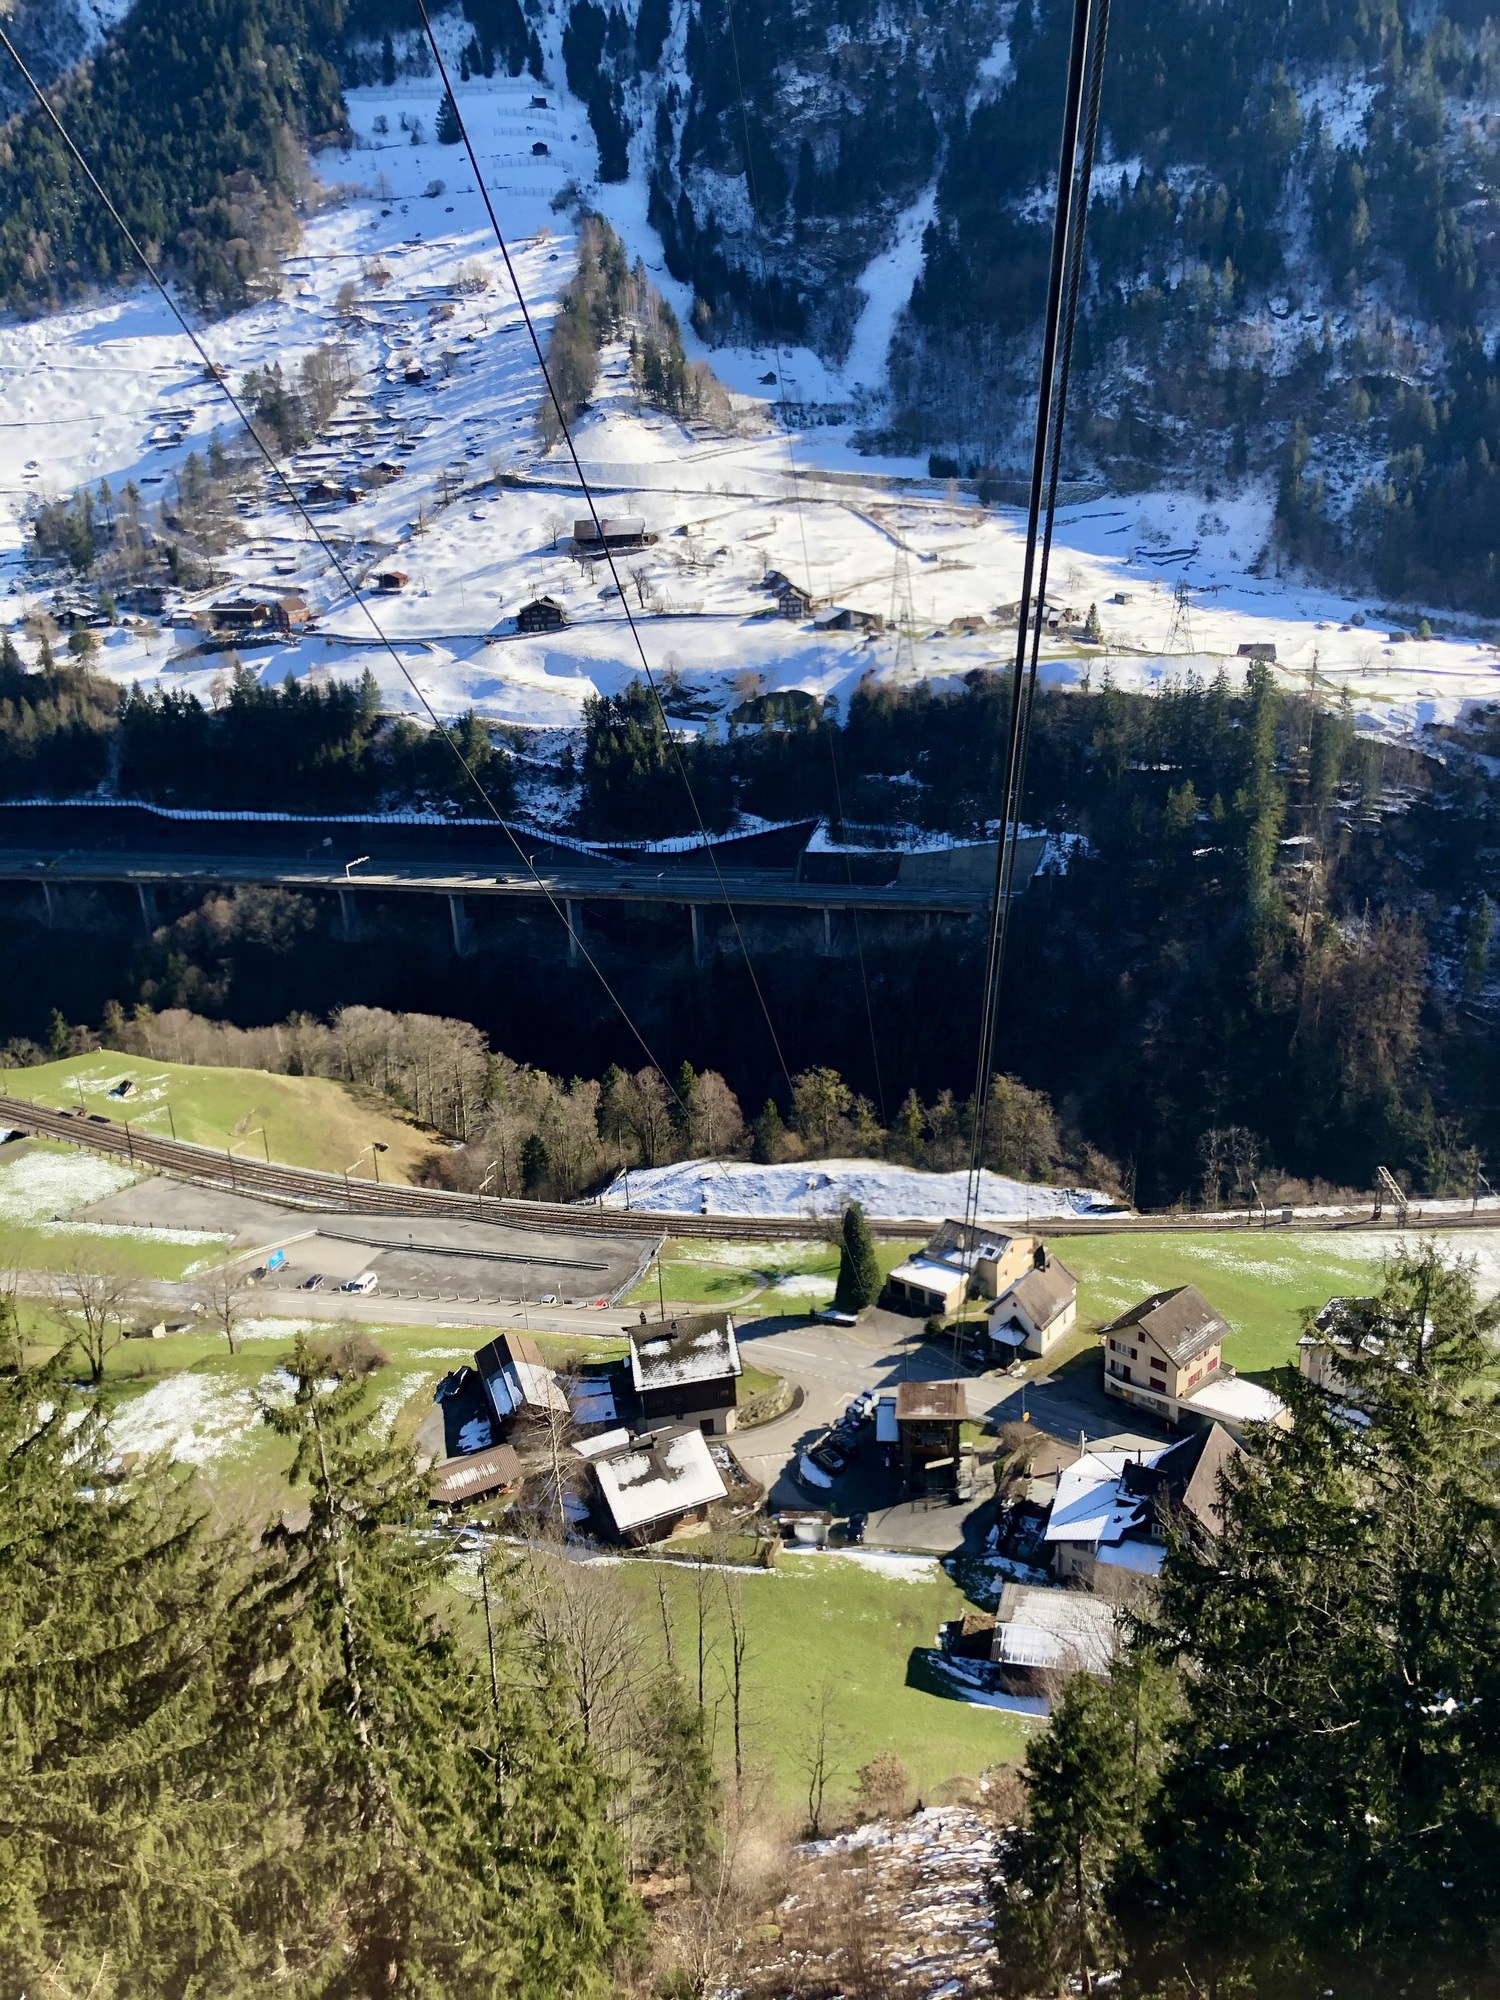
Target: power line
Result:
[776, 348]
[1065, 370]
[567, 435]
[334, 558]
[1051, 409]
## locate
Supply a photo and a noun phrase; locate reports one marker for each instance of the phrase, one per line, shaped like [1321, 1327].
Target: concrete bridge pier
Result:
[148, 906]
[51, 902]
[346, 914]
[463, 930]
[695, 911]
[575, 930]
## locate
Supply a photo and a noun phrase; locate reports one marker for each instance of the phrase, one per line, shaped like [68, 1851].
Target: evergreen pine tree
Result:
[449, 130]
[859, 1271]
[387, 62]
[768, 1134]
[118, 1841]
[1331, 1808]
[534, 55]
[1089, 1779]
[682, 1104]
[435, 1825]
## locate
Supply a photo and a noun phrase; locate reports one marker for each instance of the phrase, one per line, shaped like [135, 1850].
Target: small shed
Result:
[391, 580]
[793, 602]
[1043, 1636]
[322, 491]
[542, 614]
[475, 1476]
[540, 149]
[414, 374]
[846, 619]
[625, 531]
[539, 104]
[1258, 649]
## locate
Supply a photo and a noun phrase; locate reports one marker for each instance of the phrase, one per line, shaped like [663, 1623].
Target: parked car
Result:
[832, 1318]
[854, 1528]
[364, 1283]
[828, 1456]
[314, 1283]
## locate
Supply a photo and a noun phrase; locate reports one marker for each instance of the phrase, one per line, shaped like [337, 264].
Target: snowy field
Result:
[826, 1187]
[114, 391]
[45, 1187]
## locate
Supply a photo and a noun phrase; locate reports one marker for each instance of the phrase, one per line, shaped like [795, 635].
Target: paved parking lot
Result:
[433, 1259]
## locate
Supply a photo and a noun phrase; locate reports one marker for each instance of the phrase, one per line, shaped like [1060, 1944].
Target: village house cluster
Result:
[634, 1449]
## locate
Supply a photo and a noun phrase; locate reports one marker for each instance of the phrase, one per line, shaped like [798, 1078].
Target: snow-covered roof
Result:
[929, 1272]
[603, 1444]
[1090, 1506]
[1143, 1558]
[1233, 1400]
[700, 1347]
[667, 1472]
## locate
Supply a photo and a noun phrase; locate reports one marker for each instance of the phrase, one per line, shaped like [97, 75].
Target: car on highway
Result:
[832, 1318]
[364, 1283]
[549, 1298]
[313, 1283]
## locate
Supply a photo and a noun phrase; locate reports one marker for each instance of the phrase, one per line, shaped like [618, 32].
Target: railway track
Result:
[308, 1188]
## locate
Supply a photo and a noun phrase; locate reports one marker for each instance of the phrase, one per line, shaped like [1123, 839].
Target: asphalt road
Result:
[746, 887]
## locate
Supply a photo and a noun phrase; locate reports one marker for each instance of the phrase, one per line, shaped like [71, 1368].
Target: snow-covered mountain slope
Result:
[115, 392]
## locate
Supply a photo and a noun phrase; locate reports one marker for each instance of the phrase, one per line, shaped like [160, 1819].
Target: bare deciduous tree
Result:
[739, 1645]
[92, 1299]
[220, 1296]
[820, 1753]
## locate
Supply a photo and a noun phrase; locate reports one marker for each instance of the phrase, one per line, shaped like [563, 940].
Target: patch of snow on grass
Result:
[40, 1187]
[281, 1329]
[194, 1419]
[393, 1402]
[130, 1232]
[804, 1285]
[897, 1568]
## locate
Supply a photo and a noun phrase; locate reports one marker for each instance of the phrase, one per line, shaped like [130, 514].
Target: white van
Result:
[365, 1282]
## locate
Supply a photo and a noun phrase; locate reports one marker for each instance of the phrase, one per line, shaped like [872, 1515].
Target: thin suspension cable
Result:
[567, 435]
[776, 348]
[1065, 369]
[1067, 165]
[334, 558]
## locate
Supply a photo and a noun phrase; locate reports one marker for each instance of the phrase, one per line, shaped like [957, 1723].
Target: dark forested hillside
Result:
[194, 119]
[1292, 240]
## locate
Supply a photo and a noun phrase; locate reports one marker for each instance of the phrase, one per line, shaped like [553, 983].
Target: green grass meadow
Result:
[826, 1620]
[308, 1121]
[1260, 1280]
